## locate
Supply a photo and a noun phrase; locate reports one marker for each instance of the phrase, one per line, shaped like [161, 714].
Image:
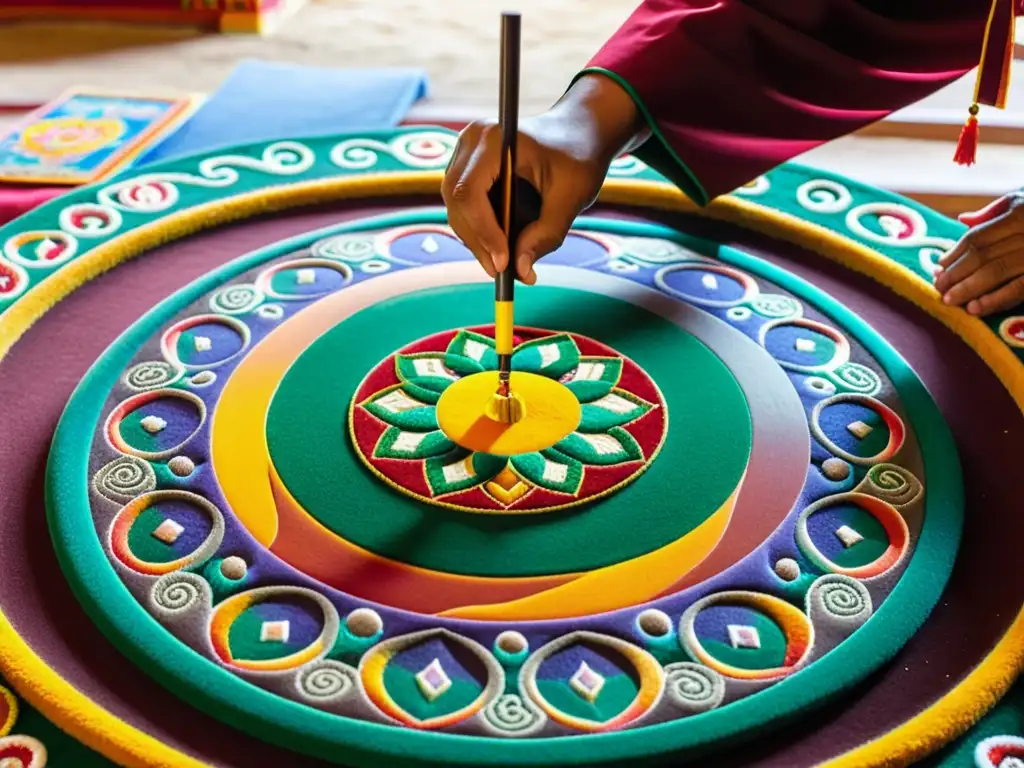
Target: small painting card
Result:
[87, 134]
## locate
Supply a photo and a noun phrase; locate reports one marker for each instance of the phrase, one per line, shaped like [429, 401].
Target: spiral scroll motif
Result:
[892, 483]
[125, 478]
[236, 299]
[326, 681]
[513, 715]
[823, 196]
[22, 752]
[857, 378]
[152, 374]
[693, 687]
[346, 248]
[840, 597]
[179, 592]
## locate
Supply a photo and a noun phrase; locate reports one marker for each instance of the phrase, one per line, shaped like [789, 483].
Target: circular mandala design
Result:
[634, 598]
[394, 426]
[1012, 331]
[22, 752]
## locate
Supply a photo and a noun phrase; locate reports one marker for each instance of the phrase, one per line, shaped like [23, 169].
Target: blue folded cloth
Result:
[263, 101]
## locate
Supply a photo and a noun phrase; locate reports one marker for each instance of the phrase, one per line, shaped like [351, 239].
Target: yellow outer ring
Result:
[97, 728]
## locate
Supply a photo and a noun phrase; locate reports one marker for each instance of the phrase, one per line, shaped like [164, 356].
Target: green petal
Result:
[398, 444]
[422, 394]
[595, 377]
[397, 408]
[552, 356]
[470, 353]
[551, 470]
[613, 410]
[426, 370]
[588, 391]
[452, 472]
[616, 446]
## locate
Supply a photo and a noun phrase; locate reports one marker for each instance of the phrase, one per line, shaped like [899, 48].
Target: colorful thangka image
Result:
[82, 136]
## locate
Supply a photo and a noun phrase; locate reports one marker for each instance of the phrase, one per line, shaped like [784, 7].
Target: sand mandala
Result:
[274, 487]
[745, 505]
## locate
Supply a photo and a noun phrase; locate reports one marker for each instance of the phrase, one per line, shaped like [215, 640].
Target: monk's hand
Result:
[984, 271]
[564, 153]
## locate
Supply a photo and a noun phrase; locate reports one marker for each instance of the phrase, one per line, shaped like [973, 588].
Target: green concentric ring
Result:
[706, 407]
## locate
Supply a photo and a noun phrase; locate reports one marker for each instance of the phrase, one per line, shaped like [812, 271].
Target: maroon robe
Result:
[735, 87]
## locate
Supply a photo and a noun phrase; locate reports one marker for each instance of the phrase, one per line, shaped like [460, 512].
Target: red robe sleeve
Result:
[732, 88]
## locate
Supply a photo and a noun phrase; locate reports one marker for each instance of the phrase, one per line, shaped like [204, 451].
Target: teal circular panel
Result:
[702, 460]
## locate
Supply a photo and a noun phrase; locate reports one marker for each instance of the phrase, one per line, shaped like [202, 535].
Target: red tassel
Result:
[967, 146]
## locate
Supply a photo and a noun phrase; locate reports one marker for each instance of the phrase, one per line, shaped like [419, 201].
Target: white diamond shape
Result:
[408, 442]
[604, 445]
[474, 349]
[203, 344]
[4, 281]
[153, 424]
[433, 680]
[168, 531]
[458, 472]
[589, 372]
[586, 682]
[744, 636]
[893, 226]
[555, 472]
[45, 248]
[306, 277]
[398, 402]
[430, 366]
[848, 536]
[710, 282]
[549, 353]
[615, 404]
[429, 244]
[859, 429]
[275, 631]
[805, 345]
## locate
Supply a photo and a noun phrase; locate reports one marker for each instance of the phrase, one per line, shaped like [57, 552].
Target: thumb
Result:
[540, 238]
[992, 210]
[558, 211]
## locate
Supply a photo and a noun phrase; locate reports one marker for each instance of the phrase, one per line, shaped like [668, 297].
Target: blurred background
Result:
[455, 43]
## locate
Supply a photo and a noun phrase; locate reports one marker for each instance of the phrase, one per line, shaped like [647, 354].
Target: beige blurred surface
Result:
[455, 41]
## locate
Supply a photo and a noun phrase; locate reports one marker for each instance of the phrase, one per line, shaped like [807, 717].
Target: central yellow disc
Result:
[550, 412]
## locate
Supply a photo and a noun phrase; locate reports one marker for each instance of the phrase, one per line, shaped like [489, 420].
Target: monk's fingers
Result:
[968, 262]
[457, 162]
[997, 207]
[1001, 264]
[1007, 297]
[976, 258]
[990, 232]
[465, 193]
